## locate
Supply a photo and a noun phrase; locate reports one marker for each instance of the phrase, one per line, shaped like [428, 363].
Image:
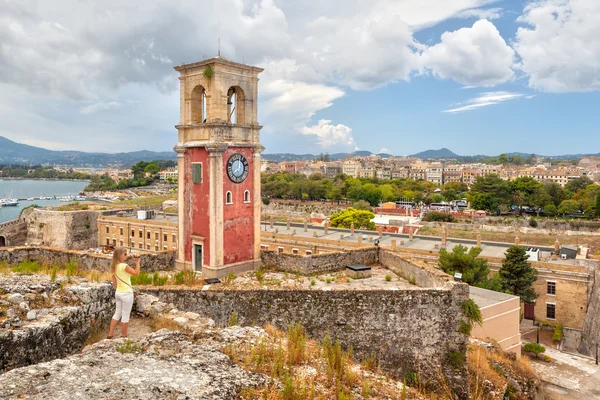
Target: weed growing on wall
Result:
[233, 319]
[128, 347]
[473, 314]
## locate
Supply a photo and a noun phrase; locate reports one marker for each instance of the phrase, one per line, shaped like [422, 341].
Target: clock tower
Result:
[218, 158]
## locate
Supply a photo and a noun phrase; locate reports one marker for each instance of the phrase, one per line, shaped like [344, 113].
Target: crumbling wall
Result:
[58, 332]
[408, 330]
[14, 232]
[318, 263]
[77, 230]
[87, 261]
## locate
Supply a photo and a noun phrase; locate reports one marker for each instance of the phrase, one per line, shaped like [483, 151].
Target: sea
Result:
[26, 188]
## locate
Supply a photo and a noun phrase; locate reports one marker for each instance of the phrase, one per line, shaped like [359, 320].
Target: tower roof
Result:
[216, 60]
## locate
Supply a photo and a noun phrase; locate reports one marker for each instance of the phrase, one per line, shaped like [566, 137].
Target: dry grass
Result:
[306, 369]
[161, 322]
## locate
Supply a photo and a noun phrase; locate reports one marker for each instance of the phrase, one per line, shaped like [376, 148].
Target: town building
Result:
[168, 173]
[146, 231]
[351, 168]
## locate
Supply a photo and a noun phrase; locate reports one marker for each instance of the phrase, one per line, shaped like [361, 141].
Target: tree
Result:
[362, 205]
[503, 159]
[436, 216]
[517, 274]
[474, 270]
[534, 348]
[360, 219]
[597, 212]
[550, 209]
[484, 201]
[568, 207]
[556, 192]
[579, 183]
[151, 168]
[495, 187]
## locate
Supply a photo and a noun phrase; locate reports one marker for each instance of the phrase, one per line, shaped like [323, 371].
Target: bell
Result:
[229, 102]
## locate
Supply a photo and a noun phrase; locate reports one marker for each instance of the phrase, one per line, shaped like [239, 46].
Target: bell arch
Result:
[236, 105]
[198, 105]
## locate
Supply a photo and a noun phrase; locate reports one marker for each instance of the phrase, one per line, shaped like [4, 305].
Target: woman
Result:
[121, 280]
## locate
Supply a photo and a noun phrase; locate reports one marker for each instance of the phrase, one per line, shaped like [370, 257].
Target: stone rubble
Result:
[167, 365]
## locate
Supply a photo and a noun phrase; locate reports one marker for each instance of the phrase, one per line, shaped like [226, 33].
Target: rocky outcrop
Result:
[162, 365]
[40, 321]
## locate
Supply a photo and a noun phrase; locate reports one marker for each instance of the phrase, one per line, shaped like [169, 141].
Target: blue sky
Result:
[475, 76]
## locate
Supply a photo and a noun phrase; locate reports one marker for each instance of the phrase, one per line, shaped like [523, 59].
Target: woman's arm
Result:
[114, 281]
[135, 271]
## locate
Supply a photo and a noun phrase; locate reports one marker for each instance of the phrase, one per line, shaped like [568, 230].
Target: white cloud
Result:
[86, 53]
[330, 136]
[99, 106]
[560, 50]
[483, 100]
[385, 150]
[490, 13]
[476, 56]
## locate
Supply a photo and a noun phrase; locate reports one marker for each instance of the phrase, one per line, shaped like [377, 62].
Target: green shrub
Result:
[144, 278]
[128, 347]
[71, 268]
[473, 314]
[534, 348]
[388, 278]
[558, 333]
[178, 278]
[26, 267]
[456, 359]
[533, 223]
[436, 216]
[158, 280]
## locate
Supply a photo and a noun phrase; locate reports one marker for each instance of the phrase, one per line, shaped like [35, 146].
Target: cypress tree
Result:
[517, 274]
[598, 205]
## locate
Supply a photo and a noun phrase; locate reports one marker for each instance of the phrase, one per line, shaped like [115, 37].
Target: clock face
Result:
[237, 168]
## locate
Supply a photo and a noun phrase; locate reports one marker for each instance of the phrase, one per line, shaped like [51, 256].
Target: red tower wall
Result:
[238, 218]
[198, 223]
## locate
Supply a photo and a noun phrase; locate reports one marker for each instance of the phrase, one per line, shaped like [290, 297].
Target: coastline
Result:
[41, 179]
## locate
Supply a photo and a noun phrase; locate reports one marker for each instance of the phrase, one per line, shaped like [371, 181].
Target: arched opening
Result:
[247, 196]
[228, 198]
[236, 105]
[2, 241]
[198, 105]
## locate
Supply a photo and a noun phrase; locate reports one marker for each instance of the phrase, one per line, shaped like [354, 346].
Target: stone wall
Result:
[422, 274]
[14, 233]
[571, 340]
[60, 331]
[545, 227]
[591, 325]
[301, 209]
[77, 230]
[408, 330]
[86, 261]
[318, 263]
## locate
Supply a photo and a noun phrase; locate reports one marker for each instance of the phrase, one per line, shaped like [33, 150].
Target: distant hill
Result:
[18, 153]
[441, 153]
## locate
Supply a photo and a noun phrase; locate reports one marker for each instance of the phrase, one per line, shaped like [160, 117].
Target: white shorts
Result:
[124, 305]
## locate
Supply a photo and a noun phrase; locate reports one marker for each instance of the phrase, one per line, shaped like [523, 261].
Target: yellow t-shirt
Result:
[123, 279]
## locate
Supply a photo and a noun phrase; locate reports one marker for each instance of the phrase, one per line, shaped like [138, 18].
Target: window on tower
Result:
[247, 196]
[228, 198]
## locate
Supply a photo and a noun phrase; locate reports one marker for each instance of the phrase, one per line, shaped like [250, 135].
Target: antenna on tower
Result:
[219, 47]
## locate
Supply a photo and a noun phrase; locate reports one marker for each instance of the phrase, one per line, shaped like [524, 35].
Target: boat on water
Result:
[9, 201]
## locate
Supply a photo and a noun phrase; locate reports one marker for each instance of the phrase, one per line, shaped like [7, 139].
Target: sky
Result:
[394, 76]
